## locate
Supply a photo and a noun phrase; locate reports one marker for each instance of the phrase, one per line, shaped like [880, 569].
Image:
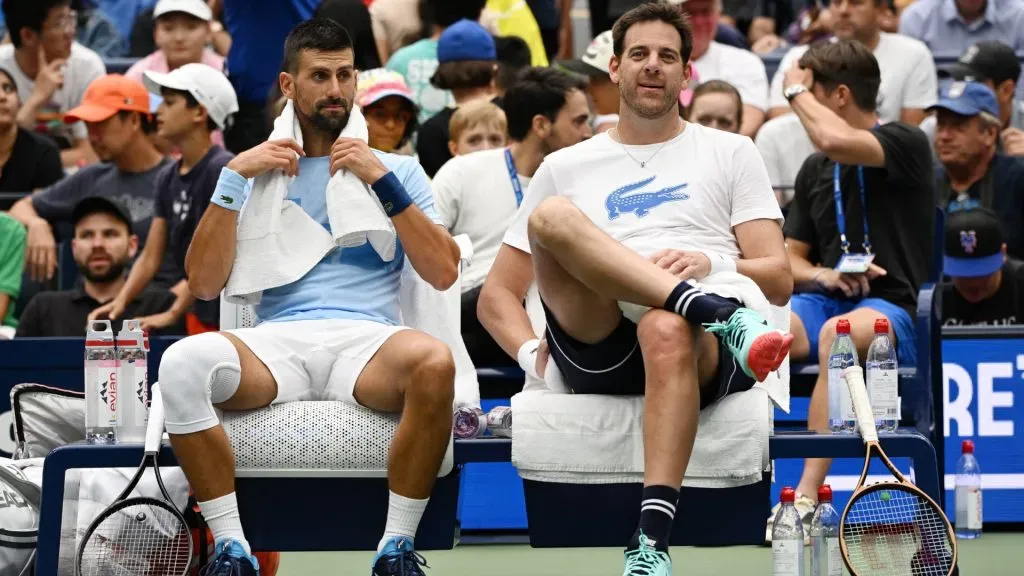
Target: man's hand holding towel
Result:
[354, 155]
[270, 155]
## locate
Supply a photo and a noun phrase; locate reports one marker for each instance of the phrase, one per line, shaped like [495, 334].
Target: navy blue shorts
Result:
[615, 365]
[815, 309]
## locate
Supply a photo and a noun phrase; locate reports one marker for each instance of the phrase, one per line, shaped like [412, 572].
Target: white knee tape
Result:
[195, 374]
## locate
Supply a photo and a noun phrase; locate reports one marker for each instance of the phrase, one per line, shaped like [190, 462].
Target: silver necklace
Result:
[643, 164]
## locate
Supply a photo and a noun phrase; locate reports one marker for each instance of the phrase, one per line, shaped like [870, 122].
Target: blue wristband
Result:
[392, 194]
[230, 192]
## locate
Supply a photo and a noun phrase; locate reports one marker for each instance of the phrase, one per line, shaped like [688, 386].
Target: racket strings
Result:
[896, 532]
[138, 540]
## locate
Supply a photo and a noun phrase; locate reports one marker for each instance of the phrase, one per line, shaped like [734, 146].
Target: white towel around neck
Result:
[278, 243]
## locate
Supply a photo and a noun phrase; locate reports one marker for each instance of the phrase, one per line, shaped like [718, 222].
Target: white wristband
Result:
[527, 357]
[720, 262]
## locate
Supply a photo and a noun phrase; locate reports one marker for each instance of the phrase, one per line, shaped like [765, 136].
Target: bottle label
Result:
[140, 394]
[787, 557]
[103, 377]
[835, 557]
[974, 508]
[884, 386]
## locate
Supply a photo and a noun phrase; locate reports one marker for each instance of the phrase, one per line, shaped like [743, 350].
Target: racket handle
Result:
[155, 424]
[854, 377]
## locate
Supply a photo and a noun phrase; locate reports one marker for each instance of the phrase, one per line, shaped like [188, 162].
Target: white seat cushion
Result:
[314, 439]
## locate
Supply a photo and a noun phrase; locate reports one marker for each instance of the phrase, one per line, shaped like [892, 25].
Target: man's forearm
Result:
[141, 274]
[27, 113]
[183, 299]
[822, 124]
[771, 274]
[24, 212]
[505, 318]
[212, 251]
[804, 273]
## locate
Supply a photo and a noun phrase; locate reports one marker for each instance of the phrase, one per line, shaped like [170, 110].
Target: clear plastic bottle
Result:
[132, 354]
[499, 421]
[469, 422]
[842, 355]
[826, 558]
[788, 538]
[968, 494]
[102, 412]
[883, 378]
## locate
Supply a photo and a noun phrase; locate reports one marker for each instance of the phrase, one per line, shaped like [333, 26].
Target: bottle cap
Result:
[824, 493]
[882, 326]
[842, 326]
[788, 495]
[967, 447]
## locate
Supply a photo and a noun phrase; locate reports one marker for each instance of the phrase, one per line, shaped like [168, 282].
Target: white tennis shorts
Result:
[316, 359]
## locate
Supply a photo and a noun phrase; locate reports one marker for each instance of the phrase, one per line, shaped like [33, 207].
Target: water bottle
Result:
[469, 422]
[102, 414]
[882, 378]
[826, 559]
[843, 354]
[968, 494]
[499, 421]
[788, 538]
[132, 354]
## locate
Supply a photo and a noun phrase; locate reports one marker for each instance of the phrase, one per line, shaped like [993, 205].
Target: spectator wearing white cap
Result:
[197, 100]
[388, 107]
[716, 61]
[182, 35]
[603, 93]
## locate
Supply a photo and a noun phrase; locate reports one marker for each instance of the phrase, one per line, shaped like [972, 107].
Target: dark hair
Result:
[465, 74]
[354, 17]
[537, 91]
[513, 56]
[444, 13]
[717, 87]
[146, 121]
[320, 34]
[29, 14]
[653, 12]
[845, 63]
[414, 122]
[190, 102]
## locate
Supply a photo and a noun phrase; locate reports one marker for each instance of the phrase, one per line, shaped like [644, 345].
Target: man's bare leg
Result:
[608, 269]
[862, 323]
[202, 448]
[413, 374]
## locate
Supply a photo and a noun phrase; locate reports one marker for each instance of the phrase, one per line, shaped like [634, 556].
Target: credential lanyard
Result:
[513, 175]
[841, 212]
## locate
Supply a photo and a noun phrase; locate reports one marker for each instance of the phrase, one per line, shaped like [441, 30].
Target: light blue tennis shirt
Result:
[349, 283]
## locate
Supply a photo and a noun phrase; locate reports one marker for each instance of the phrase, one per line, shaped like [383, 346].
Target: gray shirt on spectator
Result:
[136, 190]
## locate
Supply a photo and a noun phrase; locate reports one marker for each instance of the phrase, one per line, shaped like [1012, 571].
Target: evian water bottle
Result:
[131, 354]
[102, 415]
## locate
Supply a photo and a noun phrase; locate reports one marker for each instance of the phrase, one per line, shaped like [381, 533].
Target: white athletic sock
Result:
[221, 515]
[403, 518]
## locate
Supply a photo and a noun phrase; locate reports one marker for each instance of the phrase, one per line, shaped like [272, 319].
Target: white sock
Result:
[221, 515]
[403, 518]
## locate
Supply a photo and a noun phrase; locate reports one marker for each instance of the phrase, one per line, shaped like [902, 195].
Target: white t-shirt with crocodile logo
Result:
[689, 196]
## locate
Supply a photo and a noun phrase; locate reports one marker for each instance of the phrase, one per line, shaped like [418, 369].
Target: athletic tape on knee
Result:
[195, 374]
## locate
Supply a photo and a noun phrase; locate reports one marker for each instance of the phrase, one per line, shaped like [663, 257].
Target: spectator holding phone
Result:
[860, 229]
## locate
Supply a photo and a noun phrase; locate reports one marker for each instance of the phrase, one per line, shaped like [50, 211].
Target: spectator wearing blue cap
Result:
[987, 288]
[418, 61]
[467, 65]
[972, 171]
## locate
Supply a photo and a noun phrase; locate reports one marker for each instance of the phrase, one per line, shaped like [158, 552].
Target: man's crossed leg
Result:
[394, 370]
[582, 275]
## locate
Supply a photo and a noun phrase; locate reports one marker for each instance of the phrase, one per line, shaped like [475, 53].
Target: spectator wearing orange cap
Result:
[117, 114]
[387, 103]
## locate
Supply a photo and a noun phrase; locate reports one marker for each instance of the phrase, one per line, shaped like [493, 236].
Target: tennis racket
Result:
[139, 536]
[891, 528]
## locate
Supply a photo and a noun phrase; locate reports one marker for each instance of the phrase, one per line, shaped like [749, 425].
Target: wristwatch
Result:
[794, 91]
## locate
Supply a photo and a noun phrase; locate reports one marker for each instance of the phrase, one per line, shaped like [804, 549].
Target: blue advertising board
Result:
[983, 390]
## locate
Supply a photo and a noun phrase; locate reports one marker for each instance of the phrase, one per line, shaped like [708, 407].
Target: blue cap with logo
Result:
[968, 99]
[464, 41]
